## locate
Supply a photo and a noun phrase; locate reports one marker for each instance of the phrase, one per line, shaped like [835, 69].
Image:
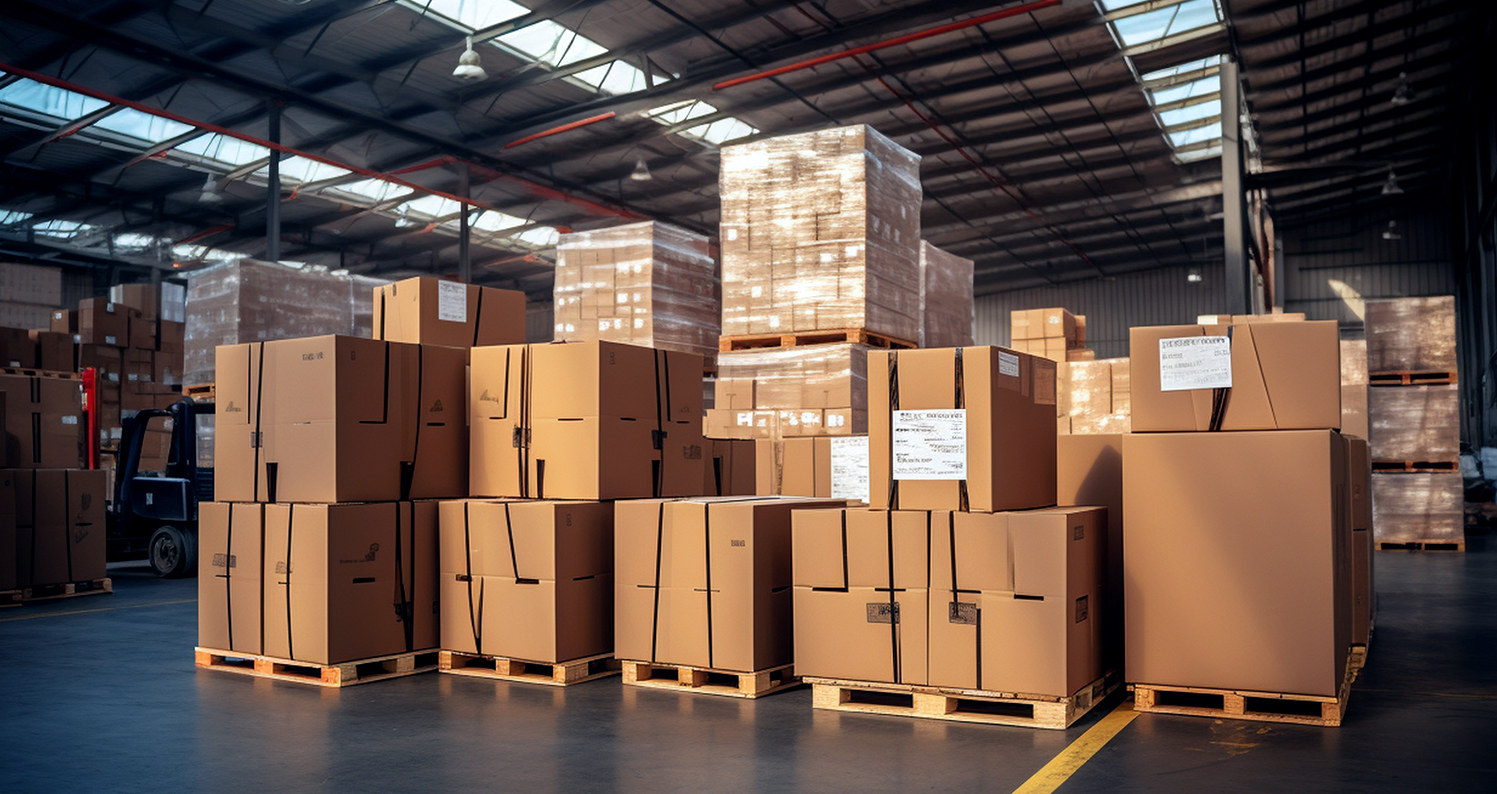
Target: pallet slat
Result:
[67, 590]
[1413, 377]
[1446, 544]
[504, 668]
[362, 671]
[33, 372]
[1435, 466]
[1247, 705]
[960, 705]
[705, 681]
[727, 344]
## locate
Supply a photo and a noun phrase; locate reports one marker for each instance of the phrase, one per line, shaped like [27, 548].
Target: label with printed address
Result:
[850, 467]
[1008, 364]
[452, 301]
[930, 445]
[1195, 362]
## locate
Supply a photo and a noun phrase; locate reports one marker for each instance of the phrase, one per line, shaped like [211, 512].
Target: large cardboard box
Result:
[705, 582]
[60, 529]
[1016, 601]
[8, 539]
[17, 349]
[730, 467]
[1415, 423]
[345, 582]
[103, 322]
[861, 594]
[231, 547]
[527, 580]
[64, 321]
[1284, 376]
[1089, 471]
[961, 428]
[1411, 334]
[438, 312]
[142, 333]
[55, 352]
[1235, 559]
[585, 420]
[44, 426]
[1359, 539]
[338, 418]
[109, 362]
[1418, 507]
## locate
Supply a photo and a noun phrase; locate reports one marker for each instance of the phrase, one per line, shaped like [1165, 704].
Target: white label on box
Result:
[70, 420]
[732, 235]
[850, 467]
[110, 340]
[1195, 362]
[930, 445]
[452, 301]
[1008, 364]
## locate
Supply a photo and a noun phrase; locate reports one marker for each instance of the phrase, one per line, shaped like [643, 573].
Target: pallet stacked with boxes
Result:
[1413, 409]
[28, 295]
[1246, 521]
[1095, 397]
[1055, 334]
[319, 555]
[962, 592]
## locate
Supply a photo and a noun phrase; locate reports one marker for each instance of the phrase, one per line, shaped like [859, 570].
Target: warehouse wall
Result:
[1475, 208]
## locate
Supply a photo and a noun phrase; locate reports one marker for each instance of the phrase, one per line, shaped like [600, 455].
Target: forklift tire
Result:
[171, 553]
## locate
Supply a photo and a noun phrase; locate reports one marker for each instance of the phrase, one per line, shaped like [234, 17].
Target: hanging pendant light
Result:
[468, 65]
[641, 171]
[1390, 187]
[210, 194]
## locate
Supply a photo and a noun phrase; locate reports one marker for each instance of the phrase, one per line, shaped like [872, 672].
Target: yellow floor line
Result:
[103, 609]
[1061, 767]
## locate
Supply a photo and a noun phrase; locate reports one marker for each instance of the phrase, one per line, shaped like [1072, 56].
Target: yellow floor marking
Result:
[103, 609]
[1062, 766]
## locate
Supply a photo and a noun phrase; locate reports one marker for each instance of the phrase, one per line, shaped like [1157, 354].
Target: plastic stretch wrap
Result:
[1406, 334]
[791, 391]
[1410, 507]
[945, 298]
[821, 231]
[251, 301]
[1414, 423]
[1095, 396]
[648, 284]
[1353, 362]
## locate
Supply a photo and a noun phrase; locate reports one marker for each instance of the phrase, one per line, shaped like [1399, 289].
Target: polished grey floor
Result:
[100, 694]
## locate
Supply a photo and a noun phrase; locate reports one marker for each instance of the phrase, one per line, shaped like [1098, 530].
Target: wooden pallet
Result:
[10, 598]
[1232, 704]
[198, 391]
[960, 705]
[1445, 544]
[1404, 466]
[1412, 377]
[727, 344]
[68, 590]
[1358, 659]
[33, 372]
[727, 683]
[503, 668]
[362, 671]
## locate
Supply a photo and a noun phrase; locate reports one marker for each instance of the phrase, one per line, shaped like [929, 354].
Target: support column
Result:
[1234, 197]
[273, 190]
[464, 263]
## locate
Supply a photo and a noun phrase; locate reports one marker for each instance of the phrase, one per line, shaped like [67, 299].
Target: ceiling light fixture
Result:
[1404, 94]
[1194, 276]
[641, 171]
[404, 221]
[210, 194]
[1390, 187]
[468, 65]
[1391, 233]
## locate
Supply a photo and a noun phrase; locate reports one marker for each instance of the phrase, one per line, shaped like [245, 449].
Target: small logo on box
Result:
[487, 398]
[221, 560]
[1081, 609]
[961, 613]
[738, 544]
[282, 567]
[436, 407]
[1078, 533]
[883, 612]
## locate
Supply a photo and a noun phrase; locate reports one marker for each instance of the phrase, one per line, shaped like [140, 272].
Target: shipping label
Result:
[850, 467]
[452, 301]
[1195, 362]
[930, 445]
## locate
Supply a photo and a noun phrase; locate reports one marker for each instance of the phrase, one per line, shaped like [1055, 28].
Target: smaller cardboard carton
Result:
[102, 322]
[231, 544]
[60, 531]
[730, 468]
[430, 311]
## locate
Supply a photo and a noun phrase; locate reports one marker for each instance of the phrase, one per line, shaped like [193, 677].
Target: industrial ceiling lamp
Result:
[404, 221]
[641, 171]
[1390, 187]
[1391, 233]
[210, 194]
[468, 67]
[1404, 94]
[1194, 275]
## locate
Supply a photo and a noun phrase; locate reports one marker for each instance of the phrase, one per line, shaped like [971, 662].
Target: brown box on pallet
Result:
[8, 539]
[1284, 376]
[705, 582]
[142, 334]
[231, 547]
[166, 368]
[861, 594]
[1016, 601]
[1359, 539]
[1236, 572]
[730, 467]
[64, 321]
[998, 451]
[102, 322]
[433, 311]
[1415, 423]
[345, 582]
[1411, 334]
[585, 420]
[55, 352]
[1089, 471]
[1418, 507]
[44, 423]
[17, 348]
[339, 418]
[60, 531]
[109, 362]
[527, 580]
[170, 337]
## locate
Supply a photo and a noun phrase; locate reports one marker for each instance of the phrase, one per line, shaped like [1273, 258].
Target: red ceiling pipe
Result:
[154, 111]
[894, 42]
[563, 128]
[206, 233]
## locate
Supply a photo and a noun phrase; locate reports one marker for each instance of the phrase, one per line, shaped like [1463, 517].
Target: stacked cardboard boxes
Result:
[1095, 396]
[28, 294]
[946, 303]
[44, 425]
[1354, 388]
[814, 390]
[1055, 334]
[1239, 545]
[1413, 410]
[649, 284]
[51, 527]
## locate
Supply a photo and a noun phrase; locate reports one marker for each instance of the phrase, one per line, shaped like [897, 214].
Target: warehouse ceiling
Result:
[1060, 140]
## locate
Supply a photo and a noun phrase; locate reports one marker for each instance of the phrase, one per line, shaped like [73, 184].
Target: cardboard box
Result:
[1277, 317]
[142, 334]
[585, 420]
[1005, 459]
[17, 349]
[438, 312]
[730, 469]
[804, 467]
[1411, 334]
[102, 322]
[60, 530]
[144, 297]
[231, 546]
[1359, 539]
[861, 594]
[1016, 600]
[171, 337]
[345, 582]
[1284, 376]
[1089, 471]
[705, 582]
[337, 418]
[44, 425]
[64, 321]
[109, 362]
[734, 394]
[1415, 423]
[55, 352]
[1235, 559]
[8, 539]
[1418, 507]
[527, 580]
[166, 368]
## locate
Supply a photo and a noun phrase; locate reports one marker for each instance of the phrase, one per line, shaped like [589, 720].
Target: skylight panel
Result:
[1200, 154]
[721, 131]
[1160, 23]
[551, 44]
[1197, 135]
[494, 221]
[1183, 68]
[225, 149]
[540, 236]
[431, 206]
[471, 14]
[1189, 113]
[205, 254]
[62, 230]
[304, 170]
[616, 77]
[12, 217]
[142, 126]
[1205, 87]
[376, 190]
[134, 242]
[677, 112]
[58, 103]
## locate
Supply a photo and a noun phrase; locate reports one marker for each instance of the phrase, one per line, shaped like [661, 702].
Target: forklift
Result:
[154, 514]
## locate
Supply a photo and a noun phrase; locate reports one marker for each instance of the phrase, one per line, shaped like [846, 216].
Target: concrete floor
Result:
[100, 694]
